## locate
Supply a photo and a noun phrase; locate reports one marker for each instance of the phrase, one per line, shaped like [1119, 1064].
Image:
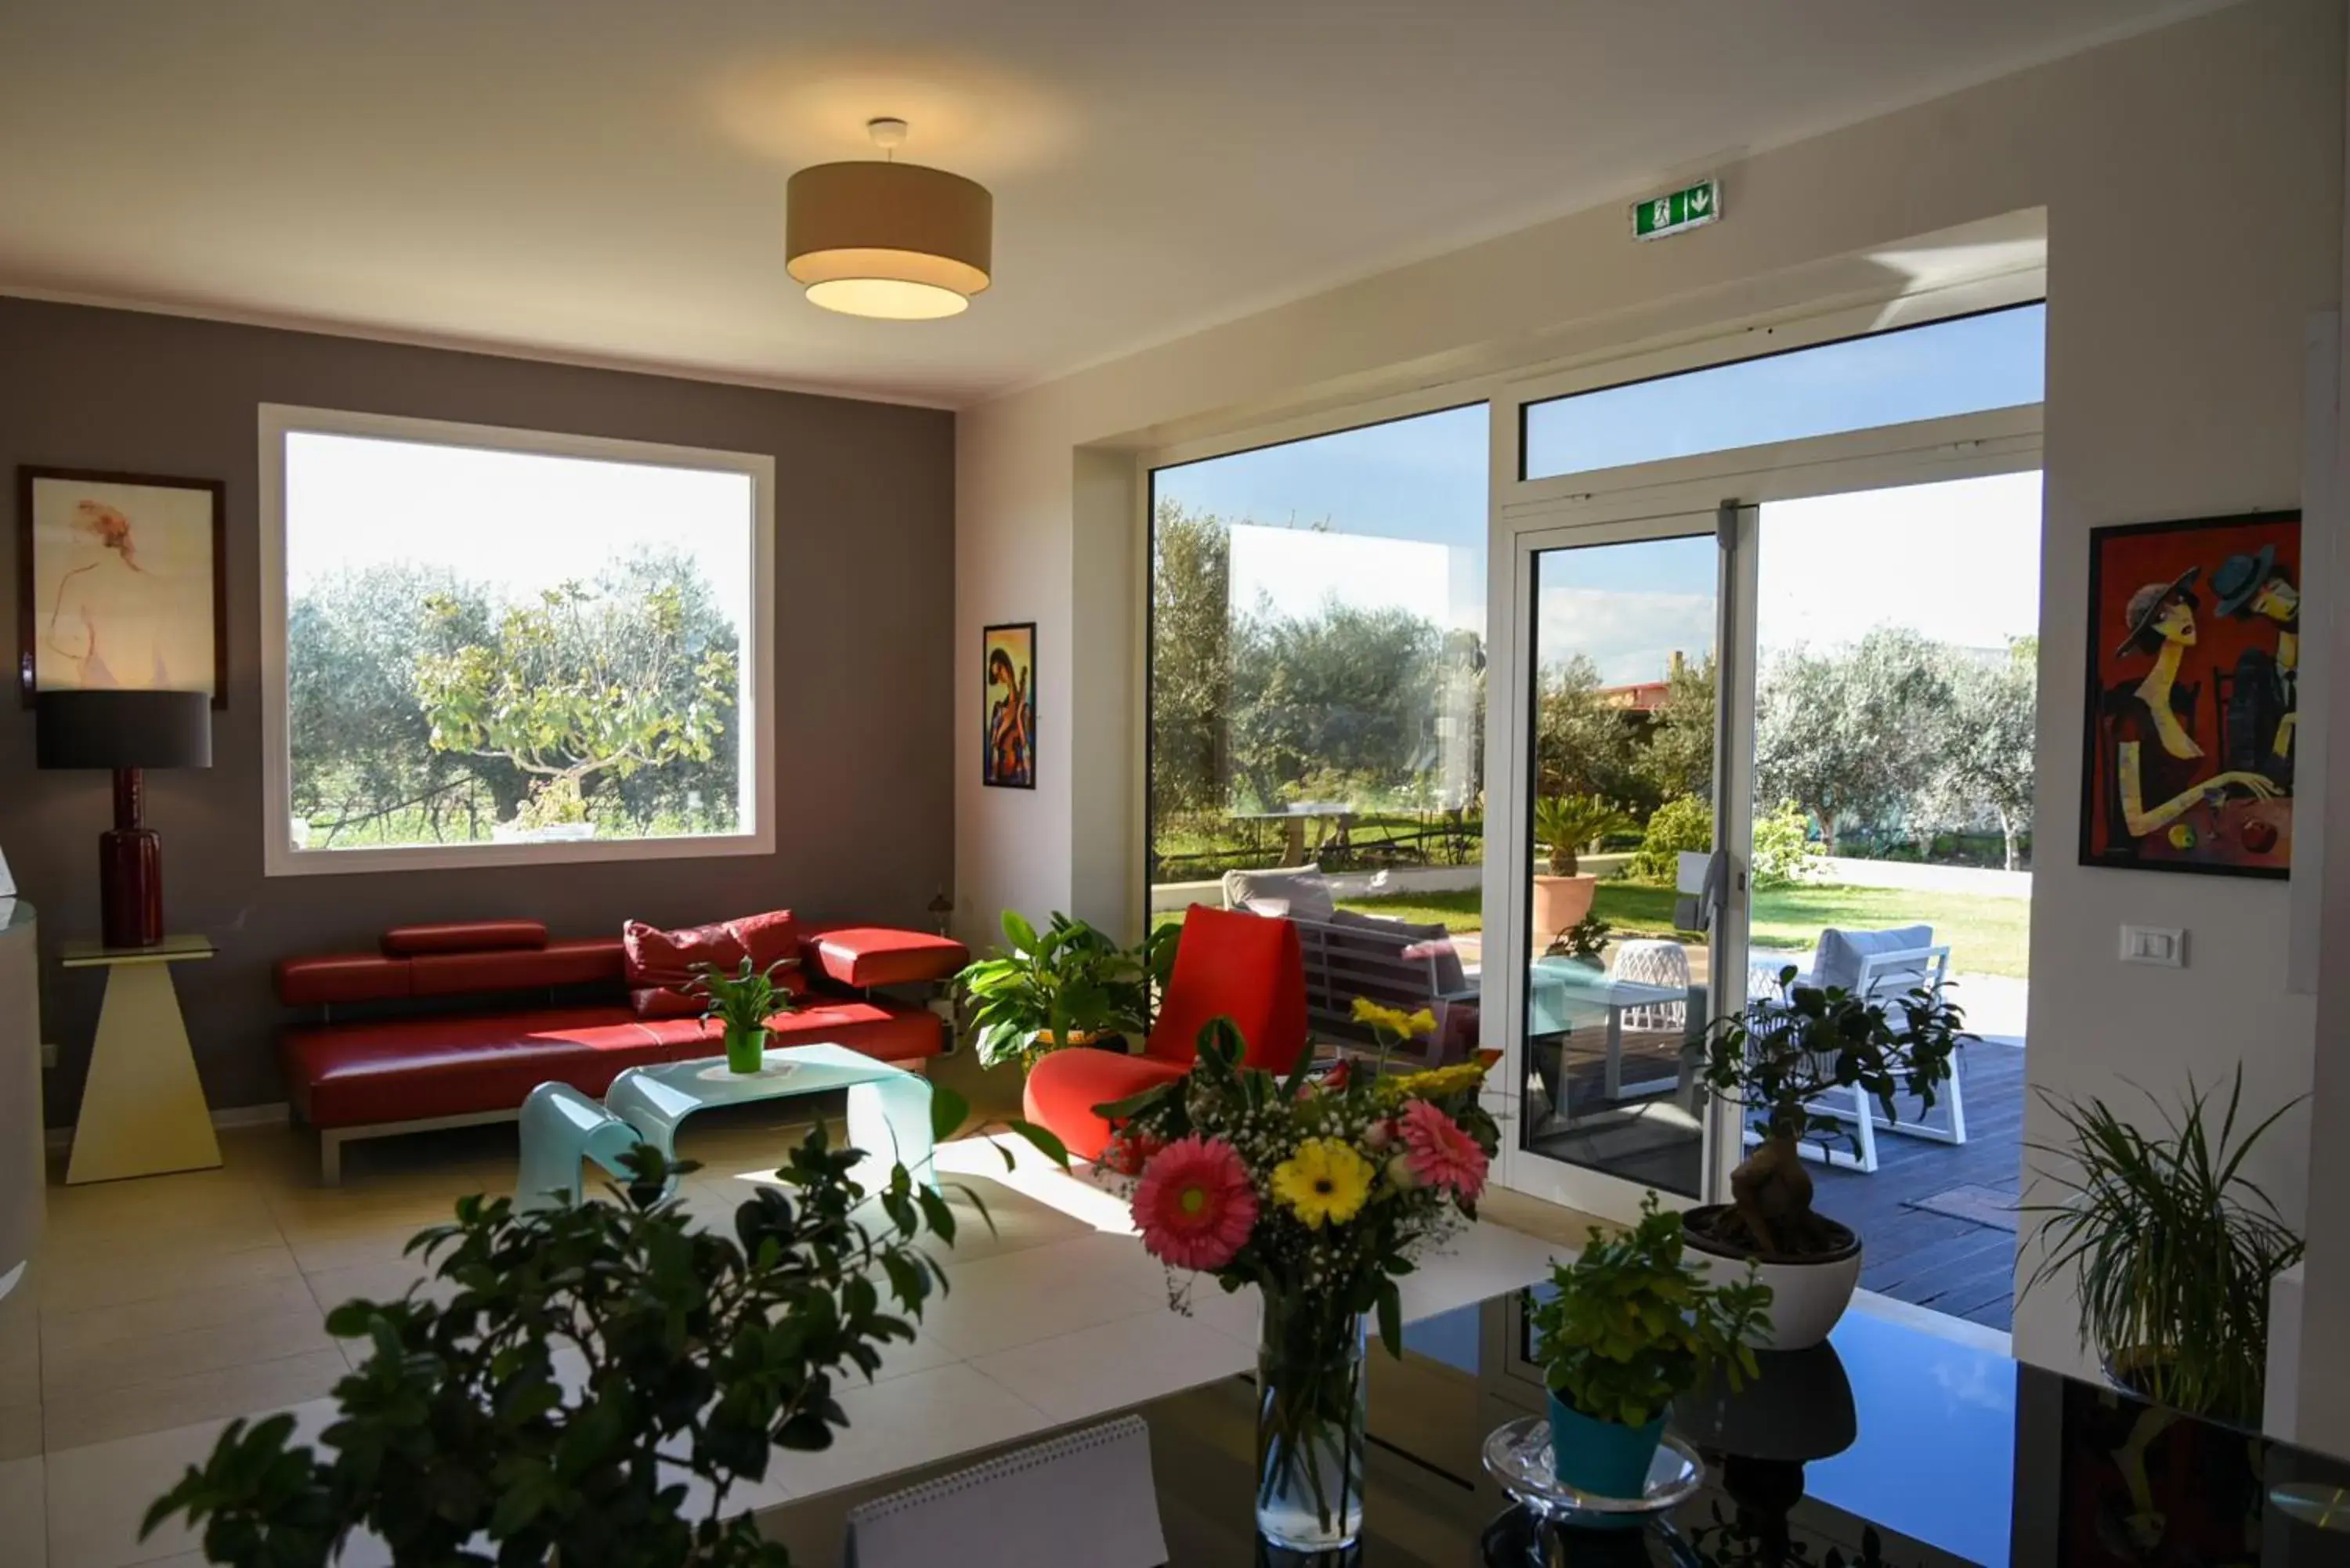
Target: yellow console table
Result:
[142, 1108]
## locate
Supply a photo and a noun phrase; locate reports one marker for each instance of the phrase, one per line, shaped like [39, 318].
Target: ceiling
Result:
[602, 179]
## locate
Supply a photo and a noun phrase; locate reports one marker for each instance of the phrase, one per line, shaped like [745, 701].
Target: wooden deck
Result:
[1961, 1267]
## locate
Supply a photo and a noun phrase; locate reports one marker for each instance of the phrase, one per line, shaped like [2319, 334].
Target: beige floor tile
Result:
[20, 1430]
[158, 1357]
[176, 1313]
[148, 1274]
[912, 1420]
[24, 1513]
[1018, 1298]
[1075, 1377]
[80, 1420]
[318, 1254]
[378, 1282]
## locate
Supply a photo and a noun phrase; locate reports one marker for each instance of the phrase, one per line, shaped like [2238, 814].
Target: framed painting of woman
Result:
[1008, 661]
[2193, 695]
[121, 582]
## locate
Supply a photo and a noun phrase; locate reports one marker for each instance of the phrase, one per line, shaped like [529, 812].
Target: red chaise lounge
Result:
[450, 1025]
[1247, 968]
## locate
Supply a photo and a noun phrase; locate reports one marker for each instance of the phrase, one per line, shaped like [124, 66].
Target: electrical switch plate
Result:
[2160, 945]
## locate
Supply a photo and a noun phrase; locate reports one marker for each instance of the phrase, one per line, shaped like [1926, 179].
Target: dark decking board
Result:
[1938, 1261]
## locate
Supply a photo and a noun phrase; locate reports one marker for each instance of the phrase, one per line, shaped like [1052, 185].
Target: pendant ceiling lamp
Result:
[888, 239]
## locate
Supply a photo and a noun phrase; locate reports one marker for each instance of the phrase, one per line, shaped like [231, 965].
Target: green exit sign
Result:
[1690, 208]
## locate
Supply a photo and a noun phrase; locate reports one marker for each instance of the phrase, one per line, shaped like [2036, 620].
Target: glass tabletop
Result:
[1890, 1445]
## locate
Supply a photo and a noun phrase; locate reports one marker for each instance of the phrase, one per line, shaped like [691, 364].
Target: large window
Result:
[1962, 365]
[492, 646]
[1317, 660]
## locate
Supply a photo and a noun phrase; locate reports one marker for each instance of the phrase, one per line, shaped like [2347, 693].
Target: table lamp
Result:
[127, 731]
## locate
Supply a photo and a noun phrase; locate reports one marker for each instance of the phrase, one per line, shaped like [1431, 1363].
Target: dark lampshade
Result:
[124, 730]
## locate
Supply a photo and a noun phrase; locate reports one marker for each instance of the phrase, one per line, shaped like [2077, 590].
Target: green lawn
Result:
[1986, 935]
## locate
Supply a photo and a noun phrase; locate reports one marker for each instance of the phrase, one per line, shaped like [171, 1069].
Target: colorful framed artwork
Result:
[1008, 666]
[121, 581]
[2194, 660]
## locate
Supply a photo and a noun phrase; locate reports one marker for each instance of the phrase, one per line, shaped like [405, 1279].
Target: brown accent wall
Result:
[865, 618]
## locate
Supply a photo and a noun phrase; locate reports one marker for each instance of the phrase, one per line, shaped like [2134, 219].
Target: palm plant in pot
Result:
[1776, 1060]
[2175, 1248]
[1069, 984]
[1632, 1325]
[1564, 825]
[743, 1003]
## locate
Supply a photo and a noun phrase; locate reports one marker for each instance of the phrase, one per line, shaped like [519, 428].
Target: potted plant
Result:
[1069, 984]
[2175, 1249]
[1585, 941]
[742, 1001]
[1775, 1059]
[697, 1353]
[1563, 824]
[1630, 1327]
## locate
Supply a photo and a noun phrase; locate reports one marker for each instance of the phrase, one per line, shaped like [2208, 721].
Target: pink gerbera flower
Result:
[1194, 1206]
[1439, 1153]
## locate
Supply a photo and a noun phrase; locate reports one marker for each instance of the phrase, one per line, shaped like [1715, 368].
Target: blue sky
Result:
[1830, 568]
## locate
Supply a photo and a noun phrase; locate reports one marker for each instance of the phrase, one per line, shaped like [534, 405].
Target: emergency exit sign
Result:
[1676, 211]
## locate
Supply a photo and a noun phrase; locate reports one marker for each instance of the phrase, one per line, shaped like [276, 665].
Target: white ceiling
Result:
[603, 179]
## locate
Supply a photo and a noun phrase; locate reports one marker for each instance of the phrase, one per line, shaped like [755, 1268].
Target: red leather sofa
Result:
[1247, 968]
[447, 1025]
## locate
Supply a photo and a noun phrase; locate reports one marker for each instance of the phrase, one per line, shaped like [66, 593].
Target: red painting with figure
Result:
[2194, 671]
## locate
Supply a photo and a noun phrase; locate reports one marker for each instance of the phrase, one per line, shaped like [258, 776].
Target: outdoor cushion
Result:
[662, 964]
[1304, 893]
[1838, 962]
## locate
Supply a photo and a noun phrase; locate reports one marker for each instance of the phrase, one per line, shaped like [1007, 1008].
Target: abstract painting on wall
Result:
[121, 583]
[2194, 661]
[1008, 659]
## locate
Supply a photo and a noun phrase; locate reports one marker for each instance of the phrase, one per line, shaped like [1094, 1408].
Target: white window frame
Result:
[280, 857]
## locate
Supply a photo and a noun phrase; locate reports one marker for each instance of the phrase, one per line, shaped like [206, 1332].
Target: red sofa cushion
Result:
[327, 980]
[464, 937]
[1065, 1087]
[862, 956]
[413, 1069]
[586, 961]
[662, 964]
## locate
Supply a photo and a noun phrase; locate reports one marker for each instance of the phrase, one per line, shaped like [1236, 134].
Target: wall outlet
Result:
[2163, 946]
[49, 1054]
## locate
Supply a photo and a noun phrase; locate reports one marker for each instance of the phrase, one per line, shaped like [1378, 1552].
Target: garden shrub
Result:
[1684, 823]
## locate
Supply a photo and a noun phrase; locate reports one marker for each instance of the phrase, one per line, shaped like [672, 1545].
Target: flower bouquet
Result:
[1318, 1191]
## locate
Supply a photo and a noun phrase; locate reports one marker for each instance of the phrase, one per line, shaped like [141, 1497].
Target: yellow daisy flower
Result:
[1436, 1083]
[1323, 1183]
[1395, 1021]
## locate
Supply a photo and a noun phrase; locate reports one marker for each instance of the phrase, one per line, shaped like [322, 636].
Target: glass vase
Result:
[1312, 1399]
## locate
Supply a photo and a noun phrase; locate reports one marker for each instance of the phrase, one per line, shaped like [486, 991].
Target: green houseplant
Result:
[1775, 1059]
[742, 1001]
[1584, 942]
[2175, 1247]
[1630, 1326]
[1563, 824]
[588, 1361]
[1069, 984]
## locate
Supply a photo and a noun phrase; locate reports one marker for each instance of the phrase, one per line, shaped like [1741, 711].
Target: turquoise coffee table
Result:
[888, 1114]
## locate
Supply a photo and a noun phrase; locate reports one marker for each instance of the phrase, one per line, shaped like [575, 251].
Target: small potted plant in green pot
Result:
[2128, 1205]
[1563, 824]
[1630, 1326]
[744, 1001]
[1776, 1059]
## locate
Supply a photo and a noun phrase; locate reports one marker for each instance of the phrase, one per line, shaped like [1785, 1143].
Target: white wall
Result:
[2192, 180]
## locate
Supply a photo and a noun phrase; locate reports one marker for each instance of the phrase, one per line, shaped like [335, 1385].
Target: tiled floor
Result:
[163, 1306]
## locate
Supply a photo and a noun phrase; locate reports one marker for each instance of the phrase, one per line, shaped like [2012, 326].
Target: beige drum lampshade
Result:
[893, 240]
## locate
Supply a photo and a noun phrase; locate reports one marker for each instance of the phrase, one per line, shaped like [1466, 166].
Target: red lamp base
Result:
[129, 872]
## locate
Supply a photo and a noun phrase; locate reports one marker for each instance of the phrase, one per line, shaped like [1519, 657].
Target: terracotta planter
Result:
[1560, 902]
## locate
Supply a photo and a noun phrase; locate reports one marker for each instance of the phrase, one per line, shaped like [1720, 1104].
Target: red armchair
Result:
[1228, 964]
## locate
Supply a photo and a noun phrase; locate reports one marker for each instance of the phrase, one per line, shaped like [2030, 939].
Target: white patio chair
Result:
[1651, 961]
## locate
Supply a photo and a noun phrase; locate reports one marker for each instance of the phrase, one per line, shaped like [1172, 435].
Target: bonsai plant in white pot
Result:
[1631, 1326]
[1776, 1059]
[1564, 825]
